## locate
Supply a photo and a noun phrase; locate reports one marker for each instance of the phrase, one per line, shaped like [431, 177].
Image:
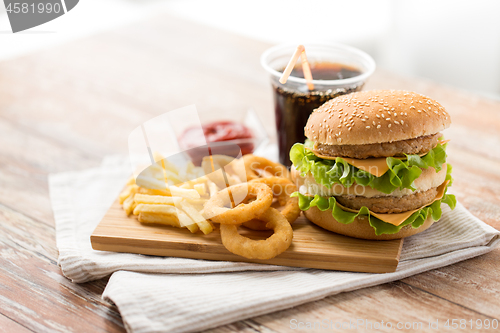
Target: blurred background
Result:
[452, 42]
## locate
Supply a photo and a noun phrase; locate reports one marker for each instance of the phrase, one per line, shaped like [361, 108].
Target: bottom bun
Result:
[359, 228]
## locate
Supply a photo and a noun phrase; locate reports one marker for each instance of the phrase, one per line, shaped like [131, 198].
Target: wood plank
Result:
[28, 158]
[312, 247]
[473, 283]
[9, 325]
[243, 326]
[218, 85]
[33, 291]
[392, 302]
[477, 184]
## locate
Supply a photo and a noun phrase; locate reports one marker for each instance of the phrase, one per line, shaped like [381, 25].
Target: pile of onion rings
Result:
[266, 181]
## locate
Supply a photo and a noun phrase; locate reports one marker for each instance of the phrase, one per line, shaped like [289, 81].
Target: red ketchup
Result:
[218, 131]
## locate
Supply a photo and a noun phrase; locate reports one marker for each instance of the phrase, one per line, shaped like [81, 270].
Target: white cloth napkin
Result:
[181, 302]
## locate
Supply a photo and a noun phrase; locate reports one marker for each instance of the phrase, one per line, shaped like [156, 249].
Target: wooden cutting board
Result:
[312, 246]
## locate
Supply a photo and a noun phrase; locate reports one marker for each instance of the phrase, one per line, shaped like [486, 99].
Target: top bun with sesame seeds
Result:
[377, 117]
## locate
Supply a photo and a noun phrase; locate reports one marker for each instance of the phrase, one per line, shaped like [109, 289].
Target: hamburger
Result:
[374, 164]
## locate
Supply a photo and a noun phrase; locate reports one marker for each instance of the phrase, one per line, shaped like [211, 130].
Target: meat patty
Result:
[420, 145]
[389, 204]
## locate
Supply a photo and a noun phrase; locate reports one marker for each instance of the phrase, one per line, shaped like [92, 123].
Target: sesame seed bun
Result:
[360, 227]
[376, 116]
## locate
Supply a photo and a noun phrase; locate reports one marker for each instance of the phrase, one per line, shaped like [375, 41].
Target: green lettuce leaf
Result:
[416, 219]
[401, 173]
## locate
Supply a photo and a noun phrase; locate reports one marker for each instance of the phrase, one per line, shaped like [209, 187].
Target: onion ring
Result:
[259, 249]
[256, 166]
[216, 208]
[282, 189]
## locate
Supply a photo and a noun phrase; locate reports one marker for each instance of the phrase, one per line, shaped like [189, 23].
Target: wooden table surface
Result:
[67, 107]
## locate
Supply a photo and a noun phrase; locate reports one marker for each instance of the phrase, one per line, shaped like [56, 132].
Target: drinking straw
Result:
[299, 52]
[307, 70]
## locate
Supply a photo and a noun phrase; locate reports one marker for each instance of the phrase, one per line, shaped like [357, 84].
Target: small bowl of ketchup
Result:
[225, 137]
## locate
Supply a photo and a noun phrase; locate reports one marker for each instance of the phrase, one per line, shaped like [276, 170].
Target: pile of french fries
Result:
[175, 205]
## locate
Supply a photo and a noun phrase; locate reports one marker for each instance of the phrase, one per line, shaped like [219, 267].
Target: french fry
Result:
[155, 209]
[170, 176]
[170, 220]
[190, 168]
[159, 175]
[212, 188]
[205, 226]
[150, 182]
[156, 168]
[185, 193]
[192, 212]
[192, 172]
[129, 204]
[156, 199]
[153, 171]
[187, 222]
[131, 181]
[191, 183]
[196, 202]
[199, 180]
[154, 192]
[200, 188]
[186, 185]
[170, 166]
[130, 189]
[124, 194]
[159, 219]
[193, 228]
[165, 163]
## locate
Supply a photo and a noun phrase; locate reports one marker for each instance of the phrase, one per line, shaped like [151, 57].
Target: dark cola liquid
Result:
[292, 108]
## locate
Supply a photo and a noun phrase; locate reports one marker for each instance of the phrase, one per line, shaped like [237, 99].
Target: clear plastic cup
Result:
[293, 102]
